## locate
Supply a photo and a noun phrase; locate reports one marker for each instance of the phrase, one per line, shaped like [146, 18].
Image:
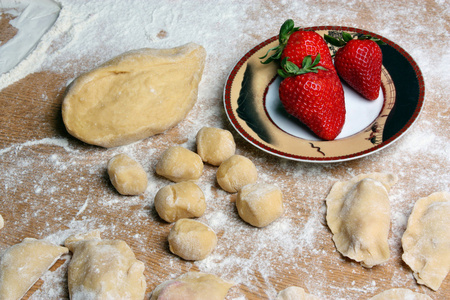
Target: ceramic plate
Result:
[254, 109]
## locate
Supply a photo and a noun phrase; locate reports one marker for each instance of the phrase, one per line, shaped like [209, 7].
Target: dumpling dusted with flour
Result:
[426, 241]
[358, 215]
[103, 269]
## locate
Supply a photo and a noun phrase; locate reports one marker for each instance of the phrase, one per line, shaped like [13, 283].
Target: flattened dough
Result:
[358, 215]
[103, 269]
[134, 95]
[400, 294]
[295, 293]
[426, 241]
[22, 265]
[192, 286]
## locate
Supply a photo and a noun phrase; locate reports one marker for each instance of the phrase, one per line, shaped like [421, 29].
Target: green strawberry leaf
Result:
[288, 68]
[285, 32]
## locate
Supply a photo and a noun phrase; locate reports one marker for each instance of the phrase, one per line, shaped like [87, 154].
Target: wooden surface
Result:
[52, 185]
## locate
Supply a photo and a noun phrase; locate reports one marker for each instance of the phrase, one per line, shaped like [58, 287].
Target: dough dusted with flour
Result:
[134, 95]
[426, 241]
[358, 215]
[235, 172]
[22, 265]
[103, 269]
[127, 175]
[215, 145]
[192, 286]
[295, 293]
[2, 222]
[180, 200]
[259, 204]
[191, 240]
[179, 164]
[400, 294]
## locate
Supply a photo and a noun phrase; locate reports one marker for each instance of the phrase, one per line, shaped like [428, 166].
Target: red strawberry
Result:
[297, 44]
[358, 63]
[314, 96]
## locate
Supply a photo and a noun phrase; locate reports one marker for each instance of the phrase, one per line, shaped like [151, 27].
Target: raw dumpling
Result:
[22, 265]
[295, 293]
[426, 241]
[192, 286]
[134, 95]
[358, 215]
[103, 269]
[400, 294]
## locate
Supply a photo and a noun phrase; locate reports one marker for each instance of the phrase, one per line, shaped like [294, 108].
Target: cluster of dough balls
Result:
[258, 204]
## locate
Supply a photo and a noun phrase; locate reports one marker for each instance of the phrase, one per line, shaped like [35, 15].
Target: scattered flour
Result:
[88, 33]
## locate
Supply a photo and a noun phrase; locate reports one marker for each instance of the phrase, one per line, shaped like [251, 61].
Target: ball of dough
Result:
[180, 200]
[179, 164]
[191, 240]
[127, 175]
[259, 204]
[236, 172]
[215, 145]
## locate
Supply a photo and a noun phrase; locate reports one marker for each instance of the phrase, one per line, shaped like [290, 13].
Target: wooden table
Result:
[52, 185]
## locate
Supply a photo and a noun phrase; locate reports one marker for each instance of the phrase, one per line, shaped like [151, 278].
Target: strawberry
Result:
[358, 62]
[314, 96]
[297, 44]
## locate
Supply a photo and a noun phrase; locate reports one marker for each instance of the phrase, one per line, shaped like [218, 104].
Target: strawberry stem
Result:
[285, 32]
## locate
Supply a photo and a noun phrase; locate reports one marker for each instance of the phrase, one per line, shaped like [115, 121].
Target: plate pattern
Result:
[247, 87]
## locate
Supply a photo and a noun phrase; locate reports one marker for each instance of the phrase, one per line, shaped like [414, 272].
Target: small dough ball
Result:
[191, 240]
[259, 204]
[179, 164]
[236, 172]
[2, 222]
[127, 175]
[180, 200]
[215, 145]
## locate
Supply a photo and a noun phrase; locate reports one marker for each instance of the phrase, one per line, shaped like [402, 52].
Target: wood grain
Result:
[53, 185]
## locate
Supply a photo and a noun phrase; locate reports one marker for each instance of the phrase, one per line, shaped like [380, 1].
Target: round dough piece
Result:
[180, 200]
[191, 240]
[127, 175]
[179, 164]
[215, 145]
[259, 204]
[236, 172]
[134, 95]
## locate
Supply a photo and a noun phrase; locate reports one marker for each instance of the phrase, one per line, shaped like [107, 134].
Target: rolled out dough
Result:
[134, 95]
